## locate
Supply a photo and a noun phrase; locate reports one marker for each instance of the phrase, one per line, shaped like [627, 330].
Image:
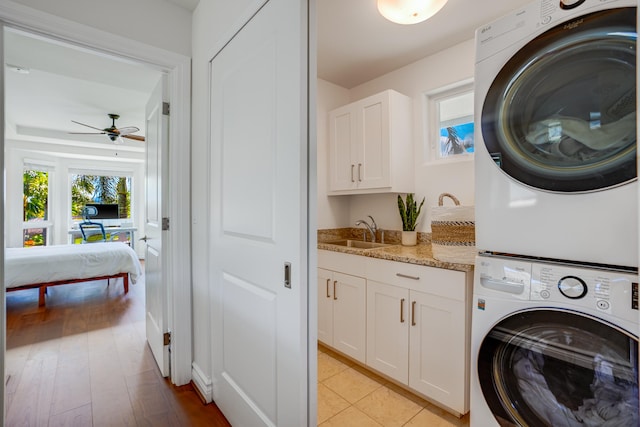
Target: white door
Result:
[259, 144]
[156, 200]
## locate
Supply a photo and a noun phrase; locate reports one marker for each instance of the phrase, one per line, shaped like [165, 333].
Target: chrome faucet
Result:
[373, 227]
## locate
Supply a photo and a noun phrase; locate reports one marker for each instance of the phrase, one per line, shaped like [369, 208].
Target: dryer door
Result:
[561, 114]
[559, 368]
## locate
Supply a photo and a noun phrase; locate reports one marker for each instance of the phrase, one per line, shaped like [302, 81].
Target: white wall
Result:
[447, 67]
[157, 23]
[62, 161]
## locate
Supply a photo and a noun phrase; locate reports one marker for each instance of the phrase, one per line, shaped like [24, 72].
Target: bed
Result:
[44, 266]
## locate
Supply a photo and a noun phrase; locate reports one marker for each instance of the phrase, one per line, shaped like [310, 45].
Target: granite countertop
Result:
[420, 254]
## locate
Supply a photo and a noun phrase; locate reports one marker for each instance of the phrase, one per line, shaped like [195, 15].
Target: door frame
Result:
[178, 69]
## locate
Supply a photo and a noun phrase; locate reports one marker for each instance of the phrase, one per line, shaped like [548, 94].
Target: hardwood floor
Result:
[83, 361]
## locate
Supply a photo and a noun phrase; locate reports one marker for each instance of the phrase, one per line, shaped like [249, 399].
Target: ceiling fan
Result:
[115, 134]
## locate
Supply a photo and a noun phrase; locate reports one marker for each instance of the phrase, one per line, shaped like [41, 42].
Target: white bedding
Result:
[43, 264]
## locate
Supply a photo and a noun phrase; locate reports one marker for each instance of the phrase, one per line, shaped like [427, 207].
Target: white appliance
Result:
[555, 114]
[553, 345]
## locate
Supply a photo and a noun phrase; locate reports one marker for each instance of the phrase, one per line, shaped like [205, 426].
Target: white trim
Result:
[430, 120]
[3, 308]
[202, 383]
[180, 227]
[54, 27]
[41, 165]
[39, 224]
[103, 171]
[312, 218]
[178, 68]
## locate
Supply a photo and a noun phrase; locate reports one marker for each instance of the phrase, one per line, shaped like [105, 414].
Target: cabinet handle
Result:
[402, 310]
[360, 172]
[406, 276]
[335, 296]
[328, 296]
[352, 180]
[413, 313]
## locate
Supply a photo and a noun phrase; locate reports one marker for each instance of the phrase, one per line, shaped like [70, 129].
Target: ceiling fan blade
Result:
[127, 130]
[86, 133]
[89, 126]
[136, 137]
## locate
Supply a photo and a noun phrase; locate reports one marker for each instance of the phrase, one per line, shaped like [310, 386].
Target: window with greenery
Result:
[100, 189]
[451, 118]
[35, 212]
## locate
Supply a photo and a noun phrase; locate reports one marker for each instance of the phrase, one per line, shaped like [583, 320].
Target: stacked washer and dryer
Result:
[555, 309]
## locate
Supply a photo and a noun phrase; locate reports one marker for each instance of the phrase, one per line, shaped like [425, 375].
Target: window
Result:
[450, 115]
[35, 202]
[102, 189]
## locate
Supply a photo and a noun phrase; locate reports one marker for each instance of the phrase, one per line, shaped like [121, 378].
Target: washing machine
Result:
[553, 344]
[555, 117]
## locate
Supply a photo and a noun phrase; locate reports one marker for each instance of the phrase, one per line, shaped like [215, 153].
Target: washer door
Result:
[561, 114]
[559, 368]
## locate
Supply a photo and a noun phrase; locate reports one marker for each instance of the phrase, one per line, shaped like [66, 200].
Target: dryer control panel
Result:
[532, 19]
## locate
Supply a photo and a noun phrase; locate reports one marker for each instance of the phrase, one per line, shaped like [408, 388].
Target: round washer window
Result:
[561, 114]
[559, 368]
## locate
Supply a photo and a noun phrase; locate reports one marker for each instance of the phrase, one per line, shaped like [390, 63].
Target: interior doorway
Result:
[177, 68]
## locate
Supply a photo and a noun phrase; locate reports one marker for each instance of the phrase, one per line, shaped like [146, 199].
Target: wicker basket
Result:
[453, 232]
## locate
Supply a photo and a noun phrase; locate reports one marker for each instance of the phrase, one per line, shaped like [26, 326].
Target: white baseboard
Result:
[202, 382]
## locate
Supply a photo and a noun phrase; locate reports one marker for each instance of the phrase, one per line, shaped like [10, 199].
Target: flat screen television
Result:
[105, 210]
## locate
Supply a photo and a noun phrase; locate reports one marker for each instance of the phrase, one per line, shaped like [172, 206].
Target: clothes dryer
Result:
[555, 114]
[553, 345]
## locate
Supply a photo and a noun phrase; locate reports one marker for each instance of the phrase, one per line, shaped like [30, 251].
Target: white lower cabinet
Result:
[409, 322]
[418, 329]
[341, 312]
[388, 330]
[438, 359]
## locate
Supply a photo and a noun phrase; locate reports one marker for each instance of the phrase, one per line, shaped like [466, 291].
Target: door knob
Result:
[145, 238]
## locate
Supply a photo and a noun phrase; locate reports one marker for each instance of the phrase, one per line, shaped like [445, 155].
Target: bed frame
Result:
[42, 287]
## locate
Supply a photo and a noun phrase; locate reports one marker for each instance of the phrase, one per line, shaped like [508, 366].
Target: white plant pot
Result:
[409, 238]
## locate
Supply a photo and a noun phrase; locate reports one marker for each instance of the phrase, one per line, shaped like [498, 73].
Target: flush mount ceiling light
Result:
[409, 11]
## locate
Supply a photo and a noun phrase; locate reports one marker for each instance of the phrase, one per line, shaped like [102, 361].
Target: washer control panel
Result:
[604, 291]
[506, 278]
[570, 4]
[572, 287]
[558, 284]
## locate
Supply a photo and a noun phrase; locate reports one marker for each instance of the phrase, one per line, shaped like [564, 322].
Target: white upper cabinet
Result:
[370, 145]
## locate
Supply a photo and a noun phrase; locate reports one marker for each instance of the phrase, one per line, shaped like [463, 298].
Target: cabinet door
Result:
[387, 330]
[437, 363]
[349, 327]
[373, 161]
[325, 307]
[342, 149]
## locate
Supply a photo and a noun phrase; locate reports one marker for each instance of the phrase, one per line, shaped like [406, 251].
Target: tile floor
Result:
[349, 395]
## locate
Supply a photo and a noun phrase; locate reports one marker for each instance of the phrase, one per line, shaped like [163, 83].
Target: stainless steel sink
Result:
[357, 244]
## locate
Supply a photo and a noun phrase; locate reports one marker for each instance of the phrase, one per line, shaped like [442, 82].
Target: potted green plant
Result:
[409, 212]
